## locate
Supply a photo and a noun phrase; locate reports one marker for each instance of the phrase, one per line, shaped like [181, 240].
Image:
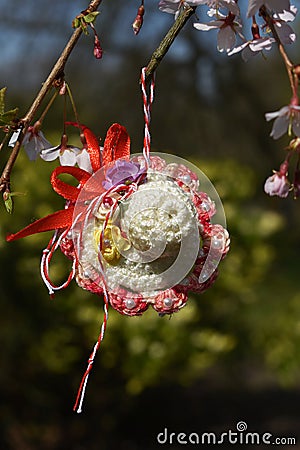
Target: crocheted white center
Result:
[159, 223]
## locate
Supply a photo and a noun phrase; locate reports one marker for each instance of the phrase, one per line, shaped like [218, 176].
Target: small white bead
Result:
[130, 303]
[205, 206]
[203, 276]
[86, 274]
[69, 235]
[186, 179]
[168, 302]
[217, 243]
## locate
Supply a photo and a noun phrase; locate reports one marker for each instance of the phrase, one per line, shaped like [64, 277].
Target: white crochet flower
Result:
[160, 222]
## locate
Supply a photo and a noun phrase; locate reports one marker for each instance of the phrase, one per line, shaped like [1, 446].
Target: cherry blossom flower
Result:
[273, 5]
[175, 6]
[253, 47]
[34, 141]
[231, 5]
[228, 27]
[278, 183]
[68, 155]
[286, 119]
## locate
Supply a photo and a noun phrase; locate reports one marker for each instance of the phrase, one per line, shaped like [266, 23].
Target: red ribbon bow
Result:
[116, 146]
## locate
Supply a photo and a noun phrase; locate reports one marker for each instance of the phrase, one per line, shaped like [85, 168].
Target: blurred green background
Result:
[234, 352]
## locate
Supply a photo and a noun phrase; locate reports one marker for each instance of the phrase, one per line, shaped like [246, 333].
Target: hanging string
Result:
[127, 191]
[47, 255]
[83, 384]
[147, 113]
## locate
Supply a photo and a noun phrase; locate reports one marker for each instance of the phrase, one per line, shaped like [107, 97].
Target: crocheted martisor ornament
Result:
[148, 239]
[139, 229]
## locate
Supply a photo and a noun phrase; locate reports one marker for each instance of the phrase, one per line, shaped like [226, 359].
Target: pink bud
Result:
[63, 89]
[138, 21]
[277, 184]
[255, 31]
[98, 51]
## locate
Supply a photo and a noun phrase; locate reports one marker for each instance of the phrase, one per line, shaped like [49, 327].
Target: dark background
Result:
[233, 353]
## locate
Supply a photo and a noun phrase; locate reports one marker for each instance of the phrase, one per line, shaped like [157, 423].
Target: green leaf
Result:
[8, 202]
[8, 116]
[89, 18]
[83, 26]
[2, 100]
[76, 23]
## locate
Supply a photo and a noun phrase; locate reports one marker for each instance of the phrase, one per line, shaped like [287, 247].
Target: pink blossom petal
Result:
[272, 115]
[273, 5]
[247, 54]
[296, 123]
[287, 16]
[280, 126]
[253, 7]
[68, 156]
[277, 185]
[32, 149]
[169, 6]
[231, 5]
[226, 39]
[83, 161]
[14, 138]
[237, 49]
[277, 5]
[257, 45]
[285, 32]
[38, 139]
[215, 13]
[208, 26]
[50, 154]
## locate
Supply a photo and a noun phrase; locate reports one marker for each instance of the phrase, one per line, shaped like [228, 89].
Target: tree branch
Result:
[288, 63]
[168, 40]
[54, 74]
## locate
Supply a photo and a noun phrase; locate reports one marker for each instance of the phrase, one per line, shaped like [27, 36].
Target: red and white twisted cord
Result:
[147, 104]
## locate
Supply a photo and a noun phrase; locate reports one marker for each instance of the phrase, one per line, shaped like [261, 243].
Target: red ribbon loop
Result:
[116, 144]
[66, 190]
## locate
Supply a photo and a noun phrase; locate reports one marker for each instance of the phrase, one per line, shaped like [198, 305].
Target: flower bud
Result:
[63, 89]
[138, 21]
[98, 51]
[255, 31]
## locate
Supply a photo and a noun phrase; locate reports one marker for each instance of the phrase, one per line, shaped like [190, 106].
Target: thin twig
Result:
[288, 63]
[168, 40]
[55, 73]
